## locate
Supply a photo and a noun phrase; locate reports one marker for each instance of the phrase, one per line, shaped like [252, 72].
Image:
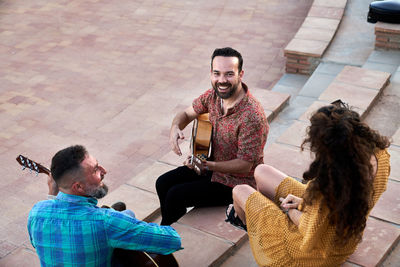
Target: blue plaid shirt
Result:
[72, 231]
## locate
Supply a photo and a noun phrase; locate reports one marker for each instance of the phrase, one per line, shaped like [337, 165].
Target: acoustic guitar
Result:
[200, 143]
[121, 257]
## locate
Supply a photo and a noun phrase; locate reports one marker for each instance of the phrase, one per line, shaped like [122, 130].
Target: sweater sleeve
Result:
[382, 174]
[313, 224]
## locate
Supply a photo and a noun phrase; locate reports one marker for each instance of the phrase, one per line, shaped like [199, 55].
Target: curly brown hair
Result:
[341, 170]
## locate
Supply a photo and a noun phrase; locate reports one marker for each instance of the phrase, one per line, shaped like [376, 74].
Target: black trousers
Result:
[182, 187]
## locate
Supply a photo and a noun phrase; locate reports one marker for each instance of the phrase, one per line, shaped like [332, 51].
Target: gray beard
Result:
[98, 192]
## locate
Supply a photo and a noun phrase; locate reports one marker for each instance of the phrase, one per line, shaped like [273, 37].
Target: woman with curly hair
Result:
[319, 223]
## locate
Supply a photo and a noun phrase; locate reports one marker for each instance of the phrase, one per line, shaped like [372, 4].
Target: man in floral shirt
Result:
[240, 130]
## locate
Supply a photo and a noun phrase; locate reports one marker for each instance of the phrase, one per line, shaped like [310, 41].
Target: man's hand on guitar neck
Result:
[53, 187]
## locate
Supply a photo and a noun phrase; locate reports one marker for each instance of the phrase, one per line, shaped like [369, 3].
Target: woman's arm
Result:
[290, 205]
[294, 215]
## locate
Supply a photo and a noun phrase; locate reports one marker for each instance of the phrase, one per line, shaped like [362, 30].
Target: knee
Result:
[262, 171]
[161, 182]
[240, 195]
[239, 189]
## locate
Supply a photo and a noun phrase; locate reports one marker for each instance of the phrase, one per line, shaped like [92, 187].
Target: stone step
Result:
[272, 102]
[378, 240]
[383, 60]
[289, 159]
[200, 248]
[21, 257]
[145, 204]
[305, 50]
[358, 87]
[388, 206]
[207, 223]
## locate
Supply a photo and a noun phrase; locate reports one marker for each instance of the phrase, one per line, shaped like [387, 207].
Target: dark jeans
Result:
[182, 188]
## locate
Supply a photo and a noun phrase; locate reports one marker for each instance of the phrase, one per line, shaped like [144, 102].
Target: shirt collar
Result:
[77, 199]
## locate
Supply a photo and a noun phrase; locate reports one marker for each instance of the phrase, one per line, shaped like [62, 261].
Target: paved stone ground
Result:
[111, 75]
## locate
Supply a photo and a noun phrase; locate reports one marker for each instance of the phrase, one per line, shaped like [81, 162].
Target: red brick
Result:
[381, 39]
[394, 39]
[393, 45]
[304, 62]
[380, 44]
[290, 60]
[291, 70]
[297, 66]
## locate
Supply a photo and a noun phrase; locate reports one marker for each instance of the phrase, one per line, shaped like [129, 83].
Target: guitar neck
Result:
[32, 165]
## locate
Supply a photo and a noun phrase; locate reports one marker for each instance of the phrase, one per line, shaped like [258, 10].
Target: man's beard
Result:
[225, 95]
[98, 192]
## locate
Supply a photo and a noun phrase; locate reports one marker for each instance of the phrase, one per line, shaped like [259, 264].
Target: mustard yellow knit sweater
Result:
[276, 241]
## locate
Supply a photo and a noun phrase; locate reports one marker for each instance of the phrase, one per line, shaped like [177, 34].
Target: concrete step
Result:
[145, 204]
[307, 47]
[205, 233]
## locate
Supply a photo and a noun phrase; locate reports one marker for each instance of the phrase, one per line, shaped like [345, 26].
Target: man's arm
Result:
[181, 120]
[230, 166]
[129, 233]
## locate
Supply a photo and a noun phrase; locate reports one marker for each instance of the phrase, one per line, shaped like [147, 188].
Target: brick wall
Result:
[387, 36]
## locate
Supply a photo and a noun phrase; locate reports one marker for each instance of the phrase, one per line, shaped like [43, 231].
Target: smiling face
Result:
[225, 76]
[94, 175]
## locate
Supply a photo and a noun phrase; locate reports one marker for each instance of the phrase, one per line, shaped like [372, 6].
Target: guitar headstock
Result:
[32, 165]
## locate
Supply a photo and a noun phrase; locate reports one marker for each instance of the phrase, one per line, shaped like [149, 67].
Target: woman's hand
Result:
[290, 202]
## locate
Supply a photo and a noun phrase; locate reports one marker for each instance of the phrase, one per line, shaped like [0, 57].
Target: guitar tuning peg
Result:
[29, 165]
[22, 159]
[23, 167]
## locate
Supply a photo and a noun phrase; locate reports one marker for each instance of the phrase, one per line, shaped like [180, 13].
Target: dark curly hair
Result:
[341, 170]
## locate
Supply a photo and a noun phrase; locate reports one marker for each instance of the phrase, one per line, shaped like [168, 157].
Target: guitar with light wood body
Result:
[201, 143]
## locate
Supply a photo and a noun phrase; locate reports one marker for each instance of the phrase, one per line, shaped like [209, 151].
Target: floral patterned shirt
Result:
[239, 134]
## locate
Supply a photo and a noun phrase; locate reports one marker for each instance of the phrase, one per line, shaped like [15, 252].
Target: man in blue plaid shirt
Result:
[70, 230]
